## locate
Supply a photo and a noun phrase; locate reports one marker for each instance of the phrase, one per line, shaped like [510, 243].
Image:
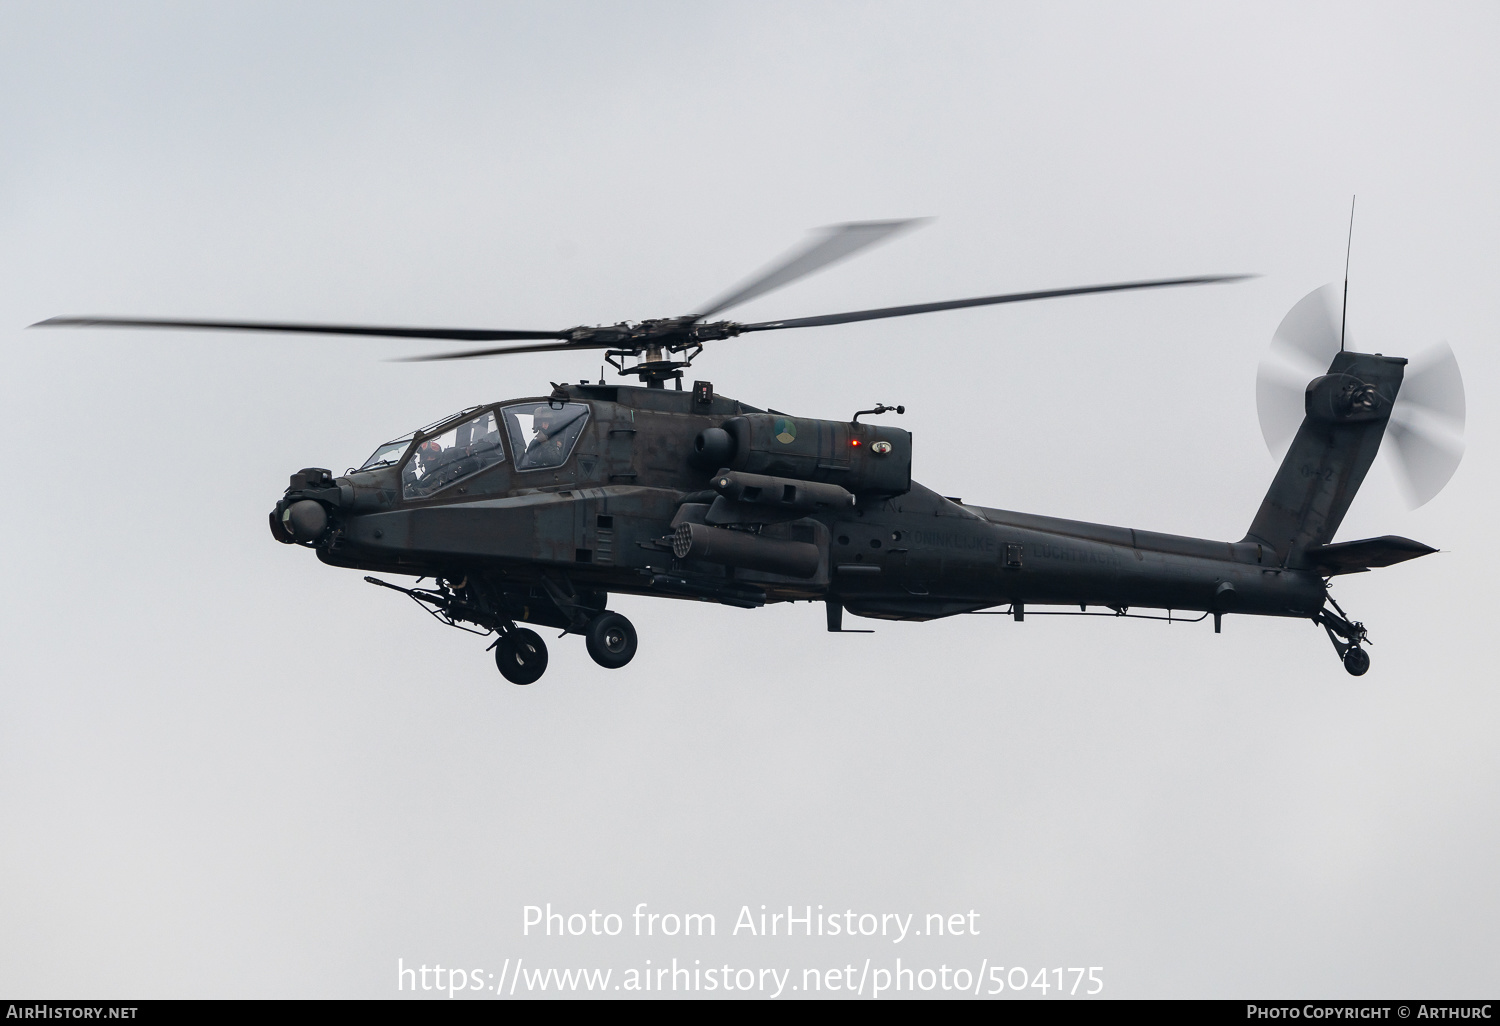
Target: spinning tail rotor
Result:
[1427, 423]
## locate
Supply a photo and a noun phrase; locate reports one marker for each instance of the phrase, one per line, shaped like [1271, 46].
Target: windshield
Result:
[392, 451]
[388, 453]
[443, 420]
[462, 451]
[542, 435]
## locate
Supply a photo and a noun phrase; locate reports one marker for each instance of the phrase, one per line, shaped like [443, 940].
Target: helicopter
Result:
[532, 512]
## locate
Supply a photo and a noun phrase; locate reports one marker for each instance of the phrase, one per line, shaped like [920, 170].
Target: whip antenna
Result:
[1348, 247]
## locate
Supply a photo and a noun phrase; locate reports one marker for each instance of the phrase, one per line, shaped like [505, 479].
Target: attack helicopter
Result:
[532, 512]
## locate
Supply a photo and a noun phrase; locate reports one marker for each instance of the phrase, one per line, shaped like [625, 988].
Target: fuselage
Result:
[599, 518]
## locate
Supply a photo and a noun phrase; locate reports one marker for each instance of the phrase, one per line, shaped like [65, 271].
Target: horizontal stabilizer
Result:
[1352, 557]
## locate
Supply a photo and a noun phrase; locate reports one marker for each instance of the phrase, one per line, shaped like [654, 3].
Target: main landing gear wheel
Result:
[611, 640]
[1356, 660]
[521, 655]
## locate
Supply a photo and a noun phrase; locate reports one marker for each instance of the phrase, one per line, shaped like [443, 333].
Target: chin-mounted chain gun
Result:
[446, 606]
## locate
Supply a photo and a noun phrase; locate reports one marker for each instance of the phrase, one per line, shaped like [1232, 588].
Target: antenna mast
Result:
[1348, 247]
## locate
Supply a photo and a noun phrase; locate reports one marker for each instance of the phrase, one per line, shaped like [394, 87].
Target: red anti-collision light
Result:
[854, 441]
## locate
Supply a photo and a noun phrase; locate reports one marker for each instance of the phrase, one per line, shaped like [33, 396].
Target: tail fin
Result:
[1347, 410]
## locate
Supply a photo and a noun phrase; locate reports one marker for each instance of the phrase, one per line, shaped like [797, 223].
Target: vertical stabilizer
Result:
[1346, 414]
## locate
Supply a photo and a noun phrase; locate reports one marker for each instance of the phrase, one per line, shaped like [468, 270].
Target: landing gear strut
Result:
[520, 652]
[1348, 637]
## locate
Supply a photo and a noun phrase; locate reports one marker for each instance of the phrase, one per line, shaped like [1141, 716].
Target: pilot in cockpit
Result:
[547, 448]
[428, 452]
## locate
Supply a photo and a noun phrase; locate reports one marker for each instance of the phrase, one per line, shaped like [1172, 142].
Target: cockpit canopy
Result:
[450, 456]
[388, 454]
[391, 452]
[542, 436]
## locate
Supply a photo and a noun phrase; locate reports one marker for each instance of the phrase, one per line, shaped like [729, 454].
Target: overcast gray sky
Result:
[228, 770]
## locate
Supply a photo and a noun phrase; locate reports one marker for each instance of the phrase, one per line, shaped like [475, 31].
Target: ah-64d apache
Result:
[535, 510]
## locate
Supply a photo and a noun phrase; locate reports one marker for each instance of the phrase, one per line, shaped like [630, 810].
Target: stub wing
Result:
[1354, 557]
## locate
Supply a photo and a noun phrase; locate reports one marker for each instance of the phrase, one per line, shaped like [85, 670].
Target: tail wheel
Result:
[521, 656]
[1356, 660]
[611, 640]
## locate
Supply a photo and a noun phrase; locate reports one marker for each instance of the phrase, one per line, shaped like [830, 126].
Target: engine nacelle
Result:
[743, 549]
[860, 458]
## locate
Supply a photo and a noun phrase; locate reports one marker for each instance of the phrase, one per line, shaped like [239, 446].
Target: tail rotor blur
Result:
[1426, 426]
[1302, 348]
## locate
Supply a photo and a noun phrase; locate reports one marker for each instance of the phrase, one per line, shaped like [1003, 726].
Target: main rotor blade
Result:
[456, 334]
[959, 304]
[465, 354]
[831, 245]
